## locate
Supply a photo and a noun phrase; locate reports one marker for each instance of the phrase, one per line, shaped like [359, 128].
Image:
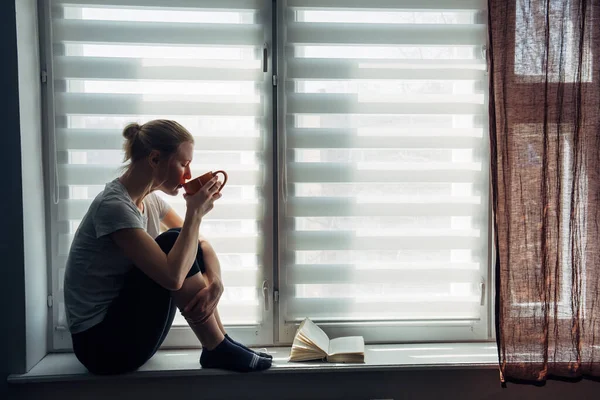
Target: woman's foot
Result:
[229, 356]
[259, 353]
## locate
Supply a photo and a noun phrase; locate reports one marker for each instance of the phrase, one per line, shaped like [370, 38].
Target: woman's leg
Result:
[134, 327]
[219, 323]
[217, 351]
[136, 324]
[208, 332]
[212, 267]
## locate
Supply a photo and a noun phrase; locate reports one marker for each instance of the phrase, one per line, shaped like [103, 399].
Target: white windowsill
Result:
[64, 367]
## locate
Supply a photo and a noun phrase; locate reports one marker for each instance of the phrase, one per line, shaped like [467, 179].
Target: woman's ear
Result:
[154, 158]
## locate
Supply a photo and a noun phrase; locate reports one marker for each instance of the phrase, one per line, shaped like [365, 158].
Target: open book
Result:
[311, 343]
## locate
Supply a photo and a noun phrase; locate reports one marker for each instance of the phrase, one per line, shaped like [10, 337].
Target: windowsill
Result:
[64, 367]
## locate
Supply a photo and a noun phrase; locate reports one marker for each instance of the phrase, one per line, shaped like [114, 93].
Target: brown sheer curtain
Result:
[544, 58]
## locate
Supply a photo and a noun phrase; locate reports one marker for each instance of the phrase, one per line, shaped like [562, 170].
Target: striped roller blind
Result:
[386, 212]
[199, 62]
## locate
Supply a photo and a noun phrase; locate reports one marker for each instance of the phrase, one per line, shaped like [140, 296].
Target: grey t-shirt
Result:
[96, 266]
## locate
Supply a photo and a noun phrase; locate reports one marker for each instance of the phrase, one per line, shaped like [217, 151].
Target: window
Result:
[376, 222]
[562, 179]
[532, 60]
[386, 207]
[121, 61]
[551, 74]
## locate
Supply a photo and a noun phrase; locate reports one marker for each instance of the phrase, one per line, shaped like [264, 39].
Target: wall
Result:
[12, 289]
[34, 227]
[23, 290]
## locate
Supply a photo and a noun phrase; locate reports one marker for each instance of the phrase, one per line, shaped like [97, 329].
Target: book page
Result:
[349, 344]
[299, 344]
[315, 334]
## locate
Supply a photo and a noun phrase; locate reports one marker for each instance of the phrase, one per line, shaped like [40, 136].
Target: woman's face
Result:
[175, 170]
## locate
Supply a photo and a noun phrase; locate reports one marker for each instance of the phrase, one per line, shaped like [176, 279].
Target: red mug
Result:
[195, 184]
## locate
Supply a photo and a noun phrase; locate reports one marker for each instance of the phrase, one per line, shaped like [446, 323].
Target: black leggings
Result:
[136, 324]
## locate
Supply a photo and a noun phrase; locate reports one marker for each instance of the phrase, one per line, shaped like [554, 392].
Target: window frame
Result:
[59, 338]
[272, 332]
[395, 331]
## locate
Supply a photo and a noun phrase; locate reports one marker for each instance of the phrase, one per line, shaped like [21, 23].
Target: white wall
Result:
[34, 227]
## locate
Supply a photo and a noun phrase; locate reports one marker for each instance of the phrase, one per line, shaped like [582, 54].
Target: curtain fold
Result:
[544, 59]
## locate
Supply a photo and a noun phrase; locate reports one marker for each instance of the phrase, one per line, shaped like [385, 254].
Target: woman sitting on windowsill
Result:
[124, 280]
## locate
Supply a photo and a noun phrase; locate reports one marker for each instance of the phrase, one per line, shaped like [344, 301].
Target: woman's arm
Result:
[173, 220]
[206, 300]
[169, 270]
[211, 262]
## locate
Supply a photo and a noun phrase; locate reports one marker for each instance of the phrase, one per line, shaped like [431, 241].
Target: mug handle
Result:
[224, 178]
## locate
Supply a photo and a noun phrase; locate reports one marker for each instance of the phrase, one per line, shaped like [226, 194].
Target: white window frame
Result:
[272, 331]
[179, 336]
[396, 331]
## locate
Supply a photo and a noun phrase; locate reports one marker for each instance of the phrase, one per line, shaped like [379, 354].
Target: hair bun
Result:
[131, 131]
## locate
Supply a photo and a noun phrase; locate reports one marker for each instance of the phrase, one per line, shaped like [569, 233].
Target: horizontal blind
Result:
[386, 212]
[197, 62]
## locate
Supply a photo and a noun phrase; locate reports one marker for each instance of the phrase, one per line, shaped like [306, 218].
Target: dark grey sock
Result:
[260, 353]
[229, 356]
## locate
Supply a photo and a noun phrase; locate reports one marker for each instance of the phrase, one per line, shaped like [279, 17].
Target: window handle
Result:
[482, 290]
[265, 58]
[265, 293]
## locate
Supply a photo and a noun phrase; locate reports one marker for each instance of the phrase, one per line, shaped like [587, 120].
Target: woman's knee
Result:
[167, 239]
[200, 257]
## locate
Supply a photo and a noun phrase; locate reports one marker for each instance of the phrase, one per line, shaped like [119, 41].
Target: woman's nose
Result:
[188, 173]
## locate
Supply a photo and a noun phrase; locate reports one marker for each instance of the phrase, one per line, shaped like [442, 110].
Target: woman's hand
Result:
[204, 303]
[203, 200]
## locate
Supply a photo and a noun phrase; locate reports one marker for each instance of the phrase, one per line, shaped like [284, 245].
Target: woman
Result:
[124, 280]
